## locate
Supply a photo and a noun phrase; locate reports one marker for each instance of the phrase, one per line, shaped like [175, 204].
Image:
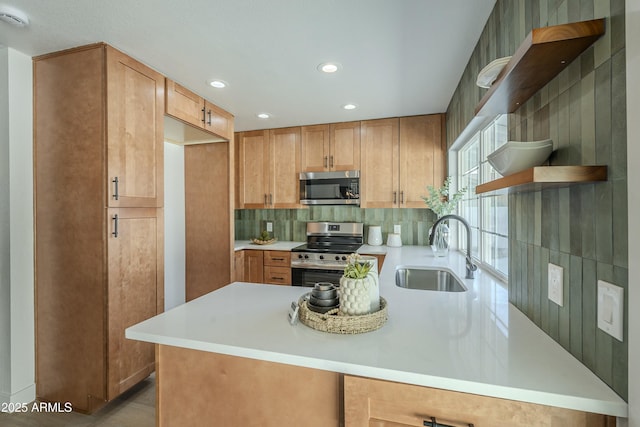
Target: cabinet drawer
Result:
[277, 258]
[277, 275]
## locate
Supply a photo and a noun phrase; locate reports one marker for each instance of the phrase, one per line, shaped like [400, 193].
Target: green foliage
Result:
[440, 202]
[356, 268]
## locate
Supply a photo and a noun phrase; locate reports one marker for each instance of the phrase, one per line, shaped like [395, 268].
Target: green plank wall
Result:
[582, 228]
[290, 224]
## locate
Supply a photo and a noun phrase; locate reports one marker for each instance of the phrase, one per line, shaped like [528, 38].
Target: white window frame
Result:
[481, 230]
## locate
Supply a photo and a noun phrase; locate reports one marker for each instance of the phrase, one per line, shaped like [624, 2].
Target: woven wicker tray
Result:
[337, 323]
[264, 242]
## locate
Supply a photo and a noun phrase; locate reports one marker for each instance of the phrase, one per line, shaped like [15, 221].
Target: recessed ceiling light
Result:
[263, 115]
[350, 106]
[329, 67]
[13, 16]
[218, 84]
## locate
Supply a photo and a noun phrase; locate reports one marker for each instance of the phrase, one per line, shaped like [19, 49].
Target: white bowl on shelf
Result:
[489, 74]
[516, 156]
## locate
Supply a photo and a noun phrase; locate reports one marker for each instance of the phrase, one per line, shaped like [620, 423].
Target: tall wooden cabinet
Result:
[269, 168]
[400, 157]
[98, 153]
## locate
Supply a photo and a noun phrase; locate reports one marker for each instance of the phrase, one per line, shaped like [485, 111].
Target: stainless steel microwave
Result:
[330, 188]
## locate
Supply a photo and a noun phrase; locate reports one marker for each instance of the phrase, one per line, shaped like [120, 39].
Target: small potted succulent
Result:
[359, 290]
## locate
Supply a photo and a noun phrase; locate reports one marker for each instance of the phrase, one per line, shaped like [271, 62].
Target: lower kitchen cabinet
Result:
[238, 266]
[370, 402]
[253, 266]
[272, 267]
[277, 267]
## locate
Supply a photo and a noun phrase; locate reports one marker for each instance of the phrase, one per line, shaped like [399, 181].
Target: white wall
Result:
[174, 231]
[633, 162]
[17, 357]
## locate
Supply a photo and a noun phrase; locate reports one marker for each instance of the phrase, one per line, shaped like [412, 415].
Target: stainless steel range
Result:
[323, 257]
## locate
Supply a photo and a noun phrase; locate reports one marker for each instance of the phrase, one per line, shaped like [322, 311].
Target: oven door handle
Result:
[309, 266]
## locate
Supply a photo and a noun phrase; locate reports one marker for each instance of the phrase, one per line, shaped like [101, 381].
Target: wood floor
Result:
[135, 408]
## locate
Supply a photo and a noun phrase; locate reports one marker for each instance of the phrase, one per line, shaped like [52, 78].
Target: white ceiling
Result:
[399, 57]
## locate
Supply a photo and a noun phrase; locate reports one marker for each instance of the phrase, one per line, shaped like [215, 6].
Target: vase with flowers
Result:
[359, 290]
[442, 202]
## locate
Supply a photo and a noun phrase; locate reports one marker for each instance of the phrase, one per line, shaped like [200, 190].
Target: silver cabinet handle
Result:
[330, 161]
[270, 199]
[209, 113]
[115, 188]
[326, 162]
[402, 197]
[204, 115]
[115, 226]
[395, 197]
[265, 199]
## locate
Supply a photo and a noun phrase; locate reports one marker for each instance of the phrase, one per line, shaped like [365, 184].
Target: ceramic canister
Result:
[375, 235]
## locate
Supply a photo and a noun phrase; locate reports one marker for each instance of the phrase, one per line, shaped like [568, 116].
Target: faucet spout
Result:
[471, 267]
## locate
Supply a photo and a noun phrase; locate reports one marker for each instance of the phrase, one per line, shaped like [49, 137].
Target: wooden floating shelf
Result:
[541, 56]
[541, 177]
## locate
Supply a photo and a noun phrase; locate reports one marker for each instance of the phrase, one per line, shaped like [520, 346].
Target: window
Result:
[487, 213]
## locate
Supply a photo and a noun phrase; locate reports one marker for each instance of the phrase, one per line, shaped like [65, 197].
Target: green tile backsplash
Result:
[582, 228]
[290, 224]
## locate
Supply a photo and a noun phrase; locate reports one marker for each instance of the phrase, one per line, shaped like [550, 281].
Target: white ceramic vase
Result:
[359, 296]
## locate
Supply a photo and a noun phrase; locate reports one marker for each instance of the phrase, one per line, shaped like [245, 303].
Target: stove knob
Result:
[337, 258]
[344, 258]
[300, 257]
[306, 257]
[321, 256]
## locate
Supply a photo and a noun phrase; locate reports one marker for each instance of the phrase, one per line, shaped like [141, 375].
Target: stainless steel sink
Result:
[430, 279]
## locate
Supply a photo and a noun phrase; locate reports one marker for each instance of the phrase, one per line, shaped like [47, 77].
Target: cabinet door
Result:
[134, 293]
[135, 132]
[253, 265]
[344, 151]
[315, 148]
[421, 158]
[238, 266]
[253, 164]
[184, 104]
[369, 402]
[218, 121]
[379, 162]
[285, 168]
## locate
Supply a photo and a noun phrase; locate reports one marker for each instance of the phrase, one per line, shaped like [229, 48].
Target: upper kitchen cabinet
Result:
[135, 134]
[197, 111]
[422, 157]
[334, 147]
[400, 157]
[98, 258]
[268, 168]
[379, 180]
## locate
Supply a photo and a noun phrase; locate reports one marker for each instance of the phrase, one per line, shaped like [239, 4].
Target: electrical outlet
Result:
[556, 288]
[397, 229]
[270, 226]
[611, 309]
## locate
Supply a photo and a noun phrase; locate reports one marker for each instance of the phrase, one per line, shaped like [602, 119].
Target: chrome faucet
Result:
[471, 267]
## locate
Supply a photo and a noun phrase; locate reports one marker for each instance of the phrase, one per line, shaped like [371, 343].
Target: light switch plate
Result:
[270, 226]
[397, 229]
[555, 285]
[611, 309]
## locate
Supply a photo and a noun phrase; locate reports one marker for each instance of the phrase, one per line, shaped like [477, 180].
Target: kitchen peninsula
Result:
[232, 356]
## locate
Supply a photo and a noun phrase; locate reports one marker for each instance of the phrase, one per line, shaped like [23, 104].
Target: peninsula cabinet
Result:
[400, 157]
[377, 403]
[331, 147]
[269, 168]
[191, 108]
[98, 116]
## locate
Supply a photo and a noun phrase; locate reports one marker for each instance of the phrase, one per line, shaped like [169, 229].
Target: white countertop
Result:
[277, 246]
[473, 342]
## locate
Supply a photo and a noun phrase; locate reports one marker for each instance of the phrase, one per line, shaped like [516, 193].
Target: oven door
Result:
[309, 277]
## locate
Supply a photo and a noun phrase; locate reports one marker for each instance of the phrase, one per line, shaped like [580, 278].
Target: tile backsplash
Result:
[582, 228]
[290, 224]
